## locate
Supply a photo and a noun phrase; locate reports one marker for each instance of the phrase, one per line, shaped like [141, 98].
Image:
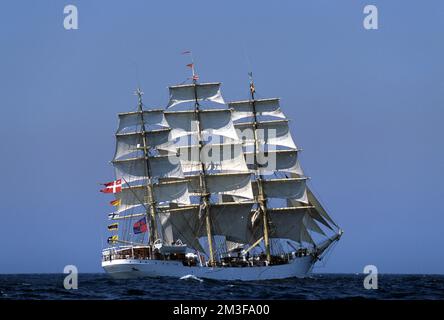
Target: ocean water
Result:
[317, 286]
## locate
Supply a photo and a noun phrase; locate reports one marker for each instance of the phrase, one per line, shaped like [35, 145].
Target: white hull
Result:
[131, 268]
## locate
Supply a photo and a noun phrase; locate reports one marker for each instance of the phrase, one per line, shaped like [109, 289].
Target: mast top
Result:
[194, 75]
[252, 88]
[139, 93]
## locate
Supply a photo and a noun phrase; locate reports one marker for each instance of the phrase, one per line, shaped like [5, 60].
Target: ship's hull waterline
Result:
[133, 269]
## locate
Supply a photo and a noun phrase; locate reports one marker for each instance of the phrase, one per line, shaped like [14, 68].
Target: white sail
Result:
[289, 224]
[189, 159]
[136, 196]
[271, 133]
[215, 157]
[181, 225]
[264, 107]
[311, 225]
[233, 184]
[294, 188]
[151, 119]
[133, 169]
[182, 123]
[191, 92]
[276, 133]
[136, 168]
[232, 221]
[313, 211]
[305, 236]
[175, 191]
[126, 144]
[130, 143]
[194, 172]
[217, 123]
[319, 208]
[238, 184]
[212, 122]
[276, 161]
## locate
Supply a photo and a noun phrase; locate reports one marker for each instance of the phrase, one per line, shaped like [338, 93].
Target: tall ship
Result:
[213, 190]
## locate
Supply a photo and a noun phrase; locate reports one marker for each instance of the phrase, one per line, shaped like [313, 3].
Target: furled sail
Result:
[191, 92]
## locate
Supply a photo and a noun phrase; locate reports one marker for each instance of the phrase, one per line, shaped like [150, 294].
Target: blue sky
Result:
[366, 107]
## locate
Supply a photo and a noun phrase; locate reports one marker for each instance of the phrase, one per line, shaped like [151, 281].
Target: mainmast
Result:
[205, 198]
[219, 168]
[151, 209]
[259, 178]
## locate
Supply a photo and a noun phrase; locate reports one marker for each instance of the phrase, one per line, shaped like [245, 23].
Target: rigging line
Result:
[136, 69]
[247, 58]
[175, 226]
[322, 204]
[135, 195]
[254, 225]
[220, 248]
[100, 234]
[201, 222]
[326, 256]
[125, 232]
[215, 225]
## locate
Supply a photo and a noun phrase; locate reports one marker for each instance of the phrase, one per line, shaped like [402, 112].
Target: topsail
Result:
[191, 92]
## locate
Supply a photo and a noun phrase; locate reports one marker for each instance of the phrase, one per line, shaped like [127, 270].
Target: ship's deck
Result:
[229, 260]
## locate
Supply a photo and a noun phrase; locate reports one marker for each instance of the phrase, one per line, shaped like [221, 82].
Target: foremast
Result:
[151, 208]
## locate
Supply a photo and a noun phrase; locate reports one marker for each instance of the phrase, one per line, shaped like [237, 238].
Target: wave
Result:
[192, 277]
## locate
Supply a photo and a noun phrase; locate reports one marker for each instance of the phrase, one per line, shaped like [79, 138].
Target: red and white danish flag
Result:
[112, 187]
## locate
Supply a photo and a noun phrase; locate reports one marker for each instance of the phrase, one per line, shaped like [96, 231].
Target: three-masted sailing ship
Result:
[212, 189]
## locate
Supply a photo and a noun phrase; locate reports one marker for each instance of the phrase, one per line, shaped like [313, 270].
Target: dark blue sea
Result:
[318, 286]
